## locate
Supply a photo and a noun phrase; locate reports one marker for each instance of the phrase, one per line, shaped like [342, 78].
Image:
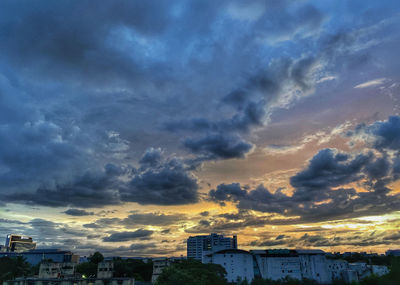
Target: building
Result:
[277, 263]
[158, 265]
[36, 256]
[197, 246]
[238, 263]
[19, 243]
[314, 265]
[56, 270]
[105, 269]
[336, 267]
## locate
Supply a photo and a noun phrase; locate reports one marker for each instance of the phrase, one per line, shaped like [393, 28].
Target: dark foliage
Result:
[192, 272]
[138, 269]
[10, 268]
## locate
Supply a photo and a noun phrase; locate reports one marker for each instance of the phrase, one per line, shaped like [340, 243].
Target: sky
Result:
[128, 126]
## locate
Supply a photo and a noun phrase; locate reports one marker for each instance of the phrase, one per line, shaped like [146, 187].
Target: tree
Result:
[10, 268]
[192, 272]
[136, 268]
[89, 269]
[96, 258]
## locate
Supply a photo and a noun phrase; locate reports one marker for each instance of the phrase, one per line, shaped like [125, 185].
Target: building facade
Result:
[237, 263]
[19, 243]
[56, 270]
[197, 246]
[38, 255]
[277, 264]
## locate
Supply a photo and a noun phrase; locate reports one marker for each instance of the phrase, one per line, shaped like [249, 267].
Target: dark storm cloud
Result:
[221, 139]
[59, 37]
[218, 146]
[386, 133]
[169, 183]
[127, 236]
[162, 187]
[78, 212]
[320, 189]
[89, 190]
[152, 157]
[157, 182]
[81, 84]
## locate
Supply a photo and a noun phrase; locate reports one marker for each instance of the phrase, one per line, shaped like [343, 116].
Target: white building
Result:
[277, 264]
[158, 265]
[237, 263]
[379, 270]
[56, 269]
[336, 267]
[314, 265]
[105, 269]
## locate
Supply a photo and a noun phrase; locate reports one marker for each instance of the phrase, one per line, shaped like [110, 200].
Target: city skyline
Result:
[128, 126]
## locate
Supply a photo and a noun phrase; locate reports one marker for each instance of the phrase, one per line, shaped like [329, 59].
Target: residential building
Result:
[197, 246]
[105, 269]
[56, 270]
[158, 265]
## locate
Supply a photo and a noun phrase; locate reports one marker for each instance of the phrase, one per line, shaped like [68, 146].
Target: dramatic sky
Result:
[127, 126]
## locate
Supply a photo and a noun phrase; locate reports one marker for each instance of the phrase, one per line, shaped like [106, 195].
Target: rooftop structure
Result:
[19, 243]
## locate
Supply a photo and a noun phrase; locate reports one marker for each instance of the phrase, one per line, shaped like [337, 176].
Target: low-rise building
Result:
[56, 270]
[276, 264]
[158, 265]
[105, 269]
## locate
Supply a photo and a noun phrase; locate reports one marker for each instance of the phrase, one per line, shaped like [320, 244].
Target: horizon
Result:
[128, 126]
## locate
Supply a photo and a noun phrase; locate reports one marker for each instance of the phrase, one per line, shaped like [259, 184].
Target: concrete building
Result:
[158, 265]
[336, 267]
[314, 265]
[19, 243]
[198, 245]
[105, 269]
[56, 270]
[277, 264]
[238, 263]
[162, 262]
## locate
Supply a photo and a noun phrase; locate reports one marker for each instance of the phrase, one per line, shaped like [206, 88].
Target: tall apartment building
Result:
[18, 243]
[198, 245]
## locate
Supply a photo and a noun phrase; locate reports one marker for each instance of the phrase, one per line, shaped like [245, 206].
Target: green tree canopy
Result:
[192, 272]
